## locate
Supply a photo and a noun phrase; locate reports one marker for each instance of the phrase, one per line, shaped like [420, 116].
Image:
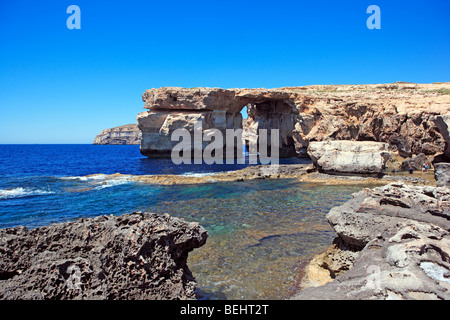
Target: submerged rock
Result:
[393, 243]
[133, 256]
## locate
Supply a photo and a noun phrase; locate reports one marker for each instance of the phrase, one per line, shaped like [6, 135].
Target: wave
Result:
[22, 192]
[100, 181]
[202, 174]
[85, 178]
[112, 183]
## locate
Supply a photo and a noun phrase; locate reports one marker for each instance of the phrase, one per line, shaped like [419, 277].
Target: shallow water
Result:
[261, 232]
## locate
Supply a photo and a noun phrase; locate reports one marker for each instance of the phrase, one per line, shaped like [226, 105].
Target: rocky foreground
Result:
[133, 256]
[393, 243]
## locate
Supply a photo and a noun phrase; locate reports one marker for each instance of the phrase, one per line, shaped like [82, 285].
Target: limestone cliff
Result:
[410, 118]
[126, 134]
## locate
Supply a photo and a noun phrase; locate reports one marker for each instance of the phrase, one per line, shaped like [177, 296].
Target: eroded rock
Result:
[410, 118]
[133, 256]
[442, 174]
[400, 234]
[356, 157]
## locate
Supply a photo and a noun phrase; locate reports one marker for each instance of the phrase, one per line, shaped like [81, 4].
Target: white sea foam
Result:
[100, 181]
[111, 183]
[85, 178]
[74, 178]
[22, 192]
[202, 174]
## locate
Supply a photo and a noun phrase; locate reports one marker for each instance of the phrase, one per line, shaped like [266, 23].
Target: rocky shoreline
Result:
[300, 172]
[393, 242]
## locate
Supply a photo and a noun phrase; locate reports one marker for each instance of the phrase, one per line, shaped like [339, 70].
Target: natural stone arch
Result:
[174, 108]
[272, 114]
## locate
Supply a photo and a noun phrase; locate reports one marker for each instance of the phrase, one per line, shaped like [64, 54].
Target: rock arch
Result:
[174, 108]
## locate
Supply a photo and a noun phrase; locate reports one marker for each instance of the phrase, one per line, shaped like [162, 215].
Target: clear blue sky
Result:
[63, 86]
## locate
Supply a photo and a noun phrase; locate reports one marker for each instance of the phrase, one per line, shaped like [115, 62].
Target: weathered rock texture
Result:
[415, 162]
[393, 243]
[126, 134]
[359, 157]
[133, 256]
[442, 174]
[411, 118]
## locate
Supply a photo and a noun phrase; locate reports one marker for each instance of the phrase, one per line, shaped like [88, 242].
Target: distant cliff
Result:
[126, 134]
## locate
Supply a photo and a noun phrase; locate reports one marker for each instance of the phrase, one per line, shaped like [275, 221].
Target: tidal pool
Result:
[261, 233]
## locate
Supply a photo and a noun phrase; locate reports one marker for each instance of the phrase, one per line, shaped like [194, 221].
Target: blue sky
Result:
[63, 86]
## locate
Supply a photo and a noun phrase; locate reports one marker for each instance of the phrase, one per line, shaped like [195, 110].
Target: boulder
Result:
[349, 157]
[415, 162]
[400, 242]
[442, 174]
[132, 256]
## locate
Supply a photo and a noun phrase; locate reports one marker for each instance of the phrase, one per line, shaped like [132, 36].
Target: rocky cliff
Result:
[126, 134]
[133, 256]
[410, 118]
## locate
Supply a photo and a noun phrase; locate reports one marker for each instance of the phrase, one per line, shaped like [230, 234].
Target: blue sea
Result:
[260, 232]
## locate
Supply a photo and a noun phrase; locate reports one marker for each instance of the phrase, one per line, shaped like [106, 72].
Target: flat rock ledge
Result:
[393, 243]
[132, 256]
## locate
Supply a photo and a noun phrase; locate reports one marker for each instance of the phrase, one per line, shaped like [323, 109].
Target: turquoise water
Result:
[261, 232]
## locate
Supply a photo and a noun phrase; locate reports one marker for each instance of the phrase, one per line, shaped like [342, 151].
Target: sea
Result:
[261, 232]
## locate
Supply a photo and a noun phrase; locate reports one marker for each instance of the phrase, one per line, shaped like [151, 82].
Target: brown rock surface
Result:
[411, 118]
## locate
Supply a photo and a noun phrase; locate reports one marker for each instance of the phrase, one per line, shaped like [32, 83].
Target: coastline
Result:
[392, 243]
[300, 172]
[322, 268]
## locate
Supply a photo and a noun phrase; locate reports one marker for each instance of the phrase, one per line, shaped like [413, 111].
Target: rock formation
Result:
[175, 108]
[410, 118]
[358, 157]
[442, 174]
[133, 256]
[393, 243]
[415, 162]
[126, 134]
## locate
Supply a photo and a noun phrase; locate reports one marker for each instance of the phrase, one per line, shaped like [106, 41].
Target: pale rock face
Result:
[158, 126]
[349, 156]
[126, 134]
